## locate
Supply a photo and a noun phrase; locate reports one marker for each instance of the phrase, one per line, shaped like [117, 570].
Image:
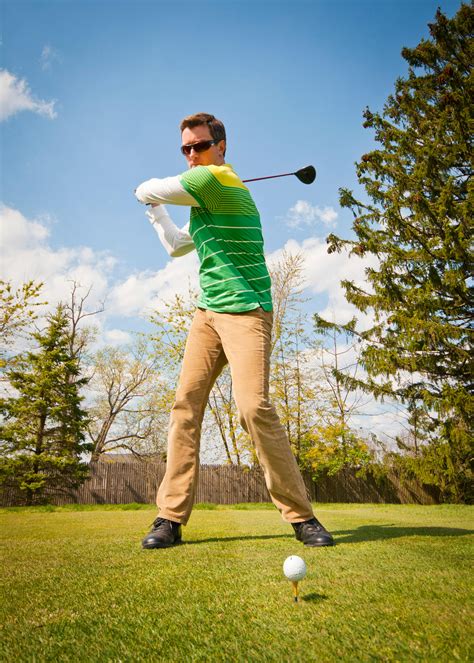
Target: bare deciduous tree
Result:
[80, 337]
[130, 401]
[295, 381]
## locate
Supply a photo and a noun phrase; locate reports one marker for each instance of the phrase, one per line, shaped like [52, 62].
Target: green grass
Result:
[78, 587]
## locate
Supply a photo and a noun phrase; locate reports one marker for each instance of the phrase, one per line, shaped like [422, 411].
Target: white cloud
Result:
[16, 96]
[143, 292]
[117, 337]
[17, 233]
[324, 272]
[26, 254]
[305, 214]
[48, 56]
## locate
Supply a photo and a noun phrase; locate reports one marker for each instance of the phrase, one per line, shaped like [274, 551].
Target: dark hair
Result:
[216, 127]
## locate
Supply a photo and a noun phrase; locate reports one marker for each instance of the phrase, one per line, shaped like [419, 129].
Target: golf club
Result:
[306, 175]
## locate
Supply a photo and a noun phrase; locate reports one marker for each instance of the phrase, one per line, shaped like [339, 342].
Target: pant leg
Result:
[246, 339]
[203, 361]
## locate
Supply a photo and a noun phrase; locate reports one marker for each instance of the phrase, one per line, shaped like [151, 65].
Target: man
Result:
[232, 324]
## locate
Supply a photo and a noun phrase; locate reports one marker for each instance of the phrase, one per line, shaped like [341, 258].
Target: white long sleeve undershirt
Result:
[167, 190]
[177, 242]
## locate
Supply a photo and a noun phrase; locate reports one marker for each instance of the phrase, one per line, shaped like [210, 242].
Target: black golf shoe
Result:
[163, 534]
[312, 533]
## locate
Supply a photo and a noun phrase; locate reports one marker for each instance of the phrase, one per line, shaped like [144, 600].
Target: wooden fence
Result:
[126, 482]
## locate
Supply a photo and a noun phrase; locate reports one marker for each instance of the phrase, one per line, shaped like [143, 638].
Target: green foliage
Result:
[17, 311]
[172, 326]
[438, 464]
[332, 447]
[419, 225]
[42, 433]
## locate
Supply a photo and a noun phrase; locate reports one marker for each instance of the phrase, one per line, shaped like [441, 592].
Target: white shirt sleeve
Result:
[176, 242]
[167, 190]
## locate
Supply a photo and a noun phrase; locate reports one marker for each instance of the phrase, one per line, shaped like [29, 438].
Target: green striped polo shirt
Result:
[227, 233]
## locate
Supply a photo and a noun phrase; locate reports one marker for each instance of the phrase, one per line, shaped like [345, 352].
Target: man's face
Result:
[213, 156]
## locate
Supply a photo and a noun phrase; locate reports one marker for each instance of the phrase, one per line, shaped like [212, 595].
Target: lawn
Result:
[396, 587]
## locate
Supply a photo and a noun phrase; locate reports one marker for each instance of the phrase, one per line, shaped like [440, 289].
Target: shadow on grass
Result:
[359, 535]
[313, 597]
[379, 532]
[216, 539]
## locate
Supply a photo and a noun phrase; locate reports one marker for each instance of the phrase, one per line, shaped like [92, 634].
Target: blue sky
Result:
[93, 93]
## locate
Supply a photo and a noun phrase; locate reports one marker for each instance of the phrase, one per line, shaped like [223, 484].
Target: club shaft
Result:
[269, 177]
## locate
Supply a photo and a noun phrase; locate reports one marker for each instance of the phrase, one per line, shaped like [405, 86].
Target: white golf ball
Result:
[294, 568]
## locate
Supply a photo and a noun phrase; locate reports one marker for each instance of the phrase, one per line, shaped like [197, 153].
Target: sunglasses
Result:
[202, 146]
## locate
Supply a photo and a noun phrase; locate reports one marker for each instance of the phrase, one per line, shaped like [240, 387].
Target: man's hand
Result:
[148, 204]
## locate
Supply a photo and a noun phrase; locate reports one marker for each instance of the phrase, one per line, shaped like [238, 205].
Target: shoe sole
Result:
[163, 545]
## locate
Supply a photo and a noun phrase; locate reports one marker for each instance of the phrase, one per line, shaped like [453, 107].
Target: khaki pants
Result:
[243, 340]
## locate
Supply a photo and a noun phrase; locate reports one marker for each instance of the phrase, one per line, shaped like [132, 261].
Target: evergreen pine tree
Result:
[42, 432]
[418, 224]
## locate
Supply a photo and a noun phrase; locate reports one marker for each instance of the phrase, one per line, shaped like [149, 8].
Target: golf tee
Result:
[295, 589]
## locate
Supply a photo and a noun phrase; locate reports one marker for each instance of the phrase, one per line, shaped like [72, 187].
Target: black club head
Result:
[306, 175]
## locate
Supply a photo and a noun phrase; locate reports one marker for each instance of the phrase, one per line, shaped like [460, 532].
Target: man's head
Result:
[207, 133]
